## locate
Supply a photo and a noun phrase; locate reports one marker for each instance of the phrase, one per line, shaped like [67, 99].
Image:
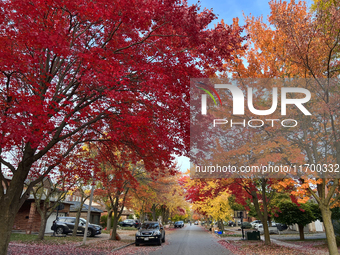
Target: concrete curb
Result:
[116, 249]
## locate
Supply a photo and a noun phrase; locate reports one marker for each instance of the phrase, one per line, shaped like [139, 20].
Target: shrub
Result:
[246, 225]
[103, 221]
[128, 228]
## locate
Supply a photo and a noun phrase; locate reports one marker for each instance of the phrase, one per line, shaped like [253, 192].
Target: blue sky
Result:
[228, 9]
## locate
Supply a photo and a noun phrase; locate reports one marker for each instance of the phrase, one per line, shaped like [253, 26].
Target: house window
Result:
[239, 214]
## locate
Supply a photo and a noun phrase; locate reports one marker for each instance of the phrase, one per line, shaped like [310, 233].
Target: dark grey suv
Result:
[65, 225]
[150, 232]
[179, 224]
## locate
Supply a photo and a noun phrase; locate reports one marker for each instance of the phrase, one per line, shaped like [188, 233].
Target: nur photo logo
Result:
[239, 101]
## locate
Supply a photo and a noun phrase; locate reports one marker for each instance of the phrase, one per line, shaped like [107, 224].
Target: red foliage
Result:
[72, 70]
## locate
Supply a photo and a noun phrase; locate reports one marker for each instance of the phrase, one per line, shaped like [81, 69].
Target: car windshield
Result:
[81, 220]
[150, 225]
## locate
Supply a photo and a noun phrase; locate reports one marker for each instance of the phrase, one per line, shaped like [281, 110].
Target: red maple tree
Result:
[73, 70]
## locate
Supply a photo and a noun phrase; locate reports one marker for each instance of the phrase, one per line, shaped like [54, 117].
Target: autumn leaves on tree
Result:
[73, 71]
[116, 77]
[295, 42]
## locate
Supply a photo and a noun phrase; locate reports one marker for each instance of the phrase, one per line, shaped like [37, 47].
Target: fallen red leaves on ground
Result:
[254, 248]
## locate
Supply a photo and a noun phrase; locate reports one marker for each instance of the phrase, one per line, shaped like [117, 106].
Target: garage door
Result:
[50, 220]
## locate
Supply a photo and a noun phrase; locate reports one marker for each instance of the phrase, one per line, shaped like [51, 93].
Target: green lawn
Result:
[48, 239]
[122, 228]
[230, 235]
[128, 228]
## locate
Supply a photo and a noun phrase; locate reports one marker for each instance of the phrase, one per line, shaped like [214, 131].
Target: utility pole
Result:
[88, 215]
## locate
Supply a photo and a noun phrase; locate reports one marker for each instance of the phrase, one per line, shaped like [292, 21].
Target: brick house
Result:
[244, 214]
[28, 218]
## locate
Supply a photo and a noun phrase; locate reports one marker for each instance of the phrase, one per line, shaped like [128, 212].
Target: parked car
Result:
[253, 223]
[65, 225]
[129, 223]
[231, 223]
[150, 232]
[273, 223]
[245, 225]
[196, 222]
[179, 224]
[281, 227]
[272, 230]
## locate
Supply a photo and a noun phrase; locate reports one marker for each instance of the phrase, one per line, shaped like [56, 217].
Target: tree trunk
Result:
[302, 234]
[108, 221]
[327, 221]
[43, 222]
[115, 224]
[265, 213]
[162, 210]
[266, 233]
[262, 215]
[10, 203]
[153, 212]
[221, 225]
[167, 213]
[76, 224]
[7, 216]
[142, 217]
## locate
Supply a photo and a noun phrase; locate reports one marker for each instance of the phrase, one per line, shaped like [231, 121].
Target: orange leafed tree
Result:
[297, 42]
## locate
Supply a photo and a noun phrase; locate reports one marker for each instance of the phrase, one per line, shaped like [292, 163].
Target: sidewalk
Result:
[285, 244]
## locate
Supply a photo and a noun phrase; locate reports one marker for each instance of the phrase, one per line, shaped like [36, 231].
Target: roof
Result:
[52, 199]
[75, 205]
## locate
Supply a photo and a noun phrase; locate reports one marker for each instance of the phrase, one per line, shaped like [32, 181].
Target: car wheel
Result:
[137, 244]
[89, 232]
[163, 239]
[59, 230]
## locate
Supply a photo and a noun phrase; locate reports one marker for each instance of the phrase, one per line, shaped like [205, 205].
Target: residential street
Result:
[191, 240]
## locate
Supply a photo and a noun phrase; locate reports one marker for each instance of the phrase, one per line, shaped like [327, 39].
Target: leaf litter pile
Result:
[258, 248]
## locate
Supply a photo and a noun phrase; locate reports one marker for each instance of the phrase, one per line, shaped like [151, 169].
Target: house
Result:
[95, 213]
[315, 226]
[75, 200]
[241, 214]
[125, 214]
[97, 209]
[28, 218]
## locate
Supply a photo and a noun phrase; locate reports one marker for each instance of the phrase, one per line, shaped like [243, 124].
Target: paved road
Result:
[192, 240]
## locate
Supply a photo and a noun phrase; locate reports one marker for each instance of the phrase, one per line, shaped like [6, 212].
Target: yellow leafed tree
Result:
[216, 207]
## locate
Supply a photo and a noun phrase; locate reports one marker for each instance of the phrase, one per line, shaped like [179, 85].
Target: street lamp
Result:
[241, 216]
